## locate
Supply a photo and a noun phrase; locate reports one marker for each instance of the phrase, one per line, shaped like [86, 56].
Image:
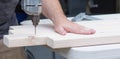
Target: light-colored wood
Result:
[108, 32]
[23, 40]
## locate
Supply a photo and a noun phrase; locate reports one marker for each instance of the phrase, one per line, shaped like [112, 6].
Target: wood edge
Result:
[55, 44]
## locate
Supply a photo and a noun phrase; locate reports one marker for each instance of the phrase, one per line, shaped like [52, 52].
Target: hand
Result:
[61, 24]
[64, 27]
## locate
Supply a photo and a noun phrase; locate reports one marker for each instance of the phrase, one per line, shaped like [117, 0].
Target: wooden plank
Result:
[108, 32]
[23, 40]
[81, 40]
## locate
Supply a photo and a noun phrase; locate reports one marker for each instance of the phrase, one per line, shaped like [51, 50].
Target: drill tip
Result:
[35, 21]
[35, 30]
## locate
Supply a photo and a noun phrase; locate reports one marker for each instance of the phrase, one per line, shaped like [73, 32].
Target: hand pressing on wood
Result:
[64, 27]
[52, 10]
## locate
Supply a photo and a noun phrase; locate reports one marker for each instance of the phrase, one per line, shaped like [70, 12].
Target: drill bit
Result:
[35, 21]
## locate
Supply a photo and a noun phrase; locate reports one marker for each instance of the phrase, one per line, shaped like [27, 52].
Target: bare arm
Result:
[52, 9]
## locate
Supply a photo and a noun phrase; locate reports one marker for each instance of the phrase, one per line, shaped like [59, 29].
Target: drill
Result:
[34, 8]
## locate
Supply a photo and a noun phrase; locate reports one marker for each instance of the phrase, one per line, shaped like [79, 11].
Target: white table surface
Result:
[91, 52]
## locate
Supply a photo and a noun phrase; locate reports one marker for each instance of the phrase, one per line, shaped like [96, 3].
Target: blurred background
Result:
[73, 7]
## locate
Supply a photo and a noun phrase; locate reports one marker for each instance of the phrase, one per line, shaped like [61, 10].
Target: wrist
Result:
[60, 21]
[57, 20]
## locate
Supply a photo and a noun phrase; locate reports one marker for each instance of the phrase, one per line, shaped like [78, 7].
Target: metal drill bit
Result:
[35, 21]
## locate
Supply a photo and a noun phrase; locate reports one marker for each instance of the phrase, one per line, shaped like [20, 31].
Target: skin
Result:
[52, 10]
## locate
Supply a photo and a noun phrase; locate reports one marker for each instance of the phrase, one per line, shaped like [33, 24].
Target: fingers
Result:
[80, 30]
[60, 30]
[83, 31]
[73, 28]
[86, 32]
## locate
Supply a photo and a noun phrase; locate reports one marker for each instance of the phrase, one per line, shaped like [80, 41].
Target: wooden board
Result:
[108, 32]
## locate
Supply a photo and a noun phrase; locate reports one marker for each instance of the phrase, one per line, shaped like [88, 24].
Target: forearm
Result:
[52, 9]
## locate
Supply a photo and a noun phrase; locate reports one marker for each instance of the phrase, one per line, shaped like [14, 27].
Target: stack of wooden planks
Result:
[107, 32]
